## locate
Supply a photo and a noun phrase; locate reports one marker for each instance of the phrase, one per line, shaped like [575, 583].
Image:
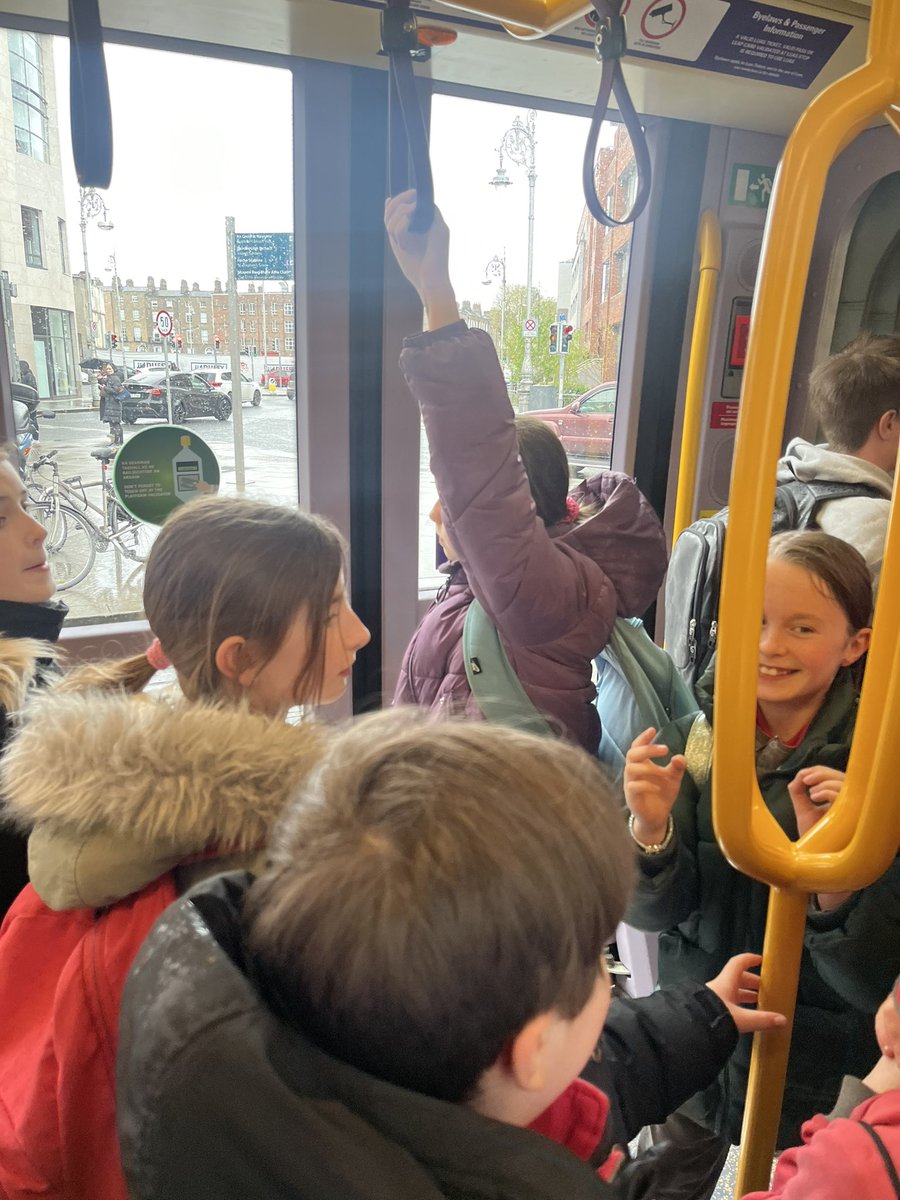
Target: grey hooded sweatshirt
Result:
[860, 520]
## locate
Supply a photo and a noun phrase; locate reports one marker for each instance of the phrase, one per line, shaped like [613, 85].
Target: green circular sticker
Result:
[161, 468]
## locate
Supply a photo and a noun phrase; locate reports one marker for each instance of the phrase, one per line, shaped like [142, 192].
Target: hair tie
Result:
[156, 656]
[573, 511]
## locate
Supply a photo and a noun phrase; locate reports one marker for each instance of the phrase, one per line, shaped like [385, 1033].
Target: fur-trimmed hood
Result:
[20, 659]
[117, 789]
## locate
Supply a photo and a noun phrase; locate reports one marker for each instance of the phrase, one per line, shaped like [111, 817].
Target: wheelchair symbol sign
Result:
[662, 18]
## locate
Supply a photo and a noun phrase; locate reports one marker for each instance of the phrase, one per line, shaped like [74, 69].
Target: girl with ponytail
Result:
[129, 799]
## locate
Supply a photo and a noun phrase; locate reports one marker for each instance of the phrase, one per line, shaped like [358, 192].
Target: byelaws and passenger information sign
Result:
[159, 469]
[264, 255]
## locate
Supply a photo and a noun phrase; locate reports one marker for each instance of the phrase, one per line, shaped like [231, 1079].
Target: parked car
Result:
[585, 427]
[282, 377]
[191, 397]
[250, 393]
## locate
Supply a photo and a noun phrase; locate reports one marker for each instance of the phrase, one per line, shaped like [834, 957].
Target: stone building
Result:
[36, 290]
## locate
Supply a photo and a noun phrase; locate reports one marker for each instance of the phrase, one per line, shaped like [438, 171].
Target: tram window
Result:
[579, 270]
[155, 240]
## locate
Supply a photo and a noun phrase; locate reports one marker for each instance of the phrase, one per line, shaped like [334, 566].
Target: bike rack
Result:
[857, 839]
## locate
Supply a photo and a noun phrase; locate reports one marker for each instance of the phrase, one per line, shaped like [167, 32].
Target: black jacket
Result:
[17, 621]
[220, 1100]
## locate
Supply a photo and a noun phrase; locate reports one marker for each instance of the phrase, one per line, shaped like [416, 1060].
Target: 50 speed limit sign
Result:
[163, 323]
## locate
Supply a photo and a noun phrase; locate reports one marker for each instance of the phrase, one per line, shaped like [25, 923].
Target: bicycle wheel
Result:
[132, 538]
[70, 543]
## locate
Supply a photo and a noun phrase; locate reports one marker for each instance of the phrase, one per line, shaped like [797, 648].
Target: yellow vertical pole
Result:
[709, 241]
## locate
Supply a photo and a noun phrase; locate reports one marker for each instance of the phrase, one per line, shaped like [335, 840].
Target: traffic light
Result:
[567, 331]
[554, 336]
[179, 341]
[218, 342]
[113, 340]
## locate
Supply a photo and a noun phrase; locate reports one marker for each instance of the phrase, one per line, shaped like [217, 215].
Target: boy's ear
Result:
[888, 424]
[856, 647]
[528, 1052]
[234, 661]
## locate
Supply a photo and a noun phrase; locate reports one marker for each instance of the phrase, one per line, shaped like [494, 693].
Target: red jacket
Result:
[577, 1120]
[839, 1160]
[58, 1047]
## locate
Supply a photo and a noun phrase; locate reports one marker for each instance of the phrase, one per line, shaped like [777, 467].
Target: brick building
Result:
[199, 316]
[600, 265]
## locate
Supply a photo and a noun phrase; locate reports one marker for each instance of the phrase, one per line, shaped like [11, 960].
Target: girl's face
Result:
[24, 573]
[273, 689]
[805, 639]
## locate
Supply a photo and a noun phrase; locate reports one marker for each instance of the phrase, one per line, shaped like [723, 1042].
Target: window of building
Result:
[243, 326]
[63, 247]
[54, 351]
[604, 280]
[121, 316]
[288, 343]
[253, 327]
[628, 185]
[31, 234]
[242, 308]
[289, 308]
[203, 318]
[275, 345]
[251, 308]
[622, 256]
[203, 303]
[154, 304]
[204, 336]
[289, 326]
[26, 69]
[137, 333]
[608, 202]
[274, 310]
[135, 314]
[155, 335]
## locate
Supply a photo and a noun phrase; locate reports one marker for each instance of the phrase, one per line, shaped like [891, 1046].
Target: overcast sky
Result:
[199, 139]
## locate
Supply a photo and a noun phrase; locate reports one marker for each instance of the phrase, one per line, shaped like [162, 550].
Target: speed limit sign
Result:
[163, 323]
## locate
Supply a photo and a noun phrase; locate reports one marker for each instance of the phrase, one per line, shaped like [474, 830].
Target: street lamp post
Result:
[91, 204]
[497, 268]
[518, 144]
[113, 266]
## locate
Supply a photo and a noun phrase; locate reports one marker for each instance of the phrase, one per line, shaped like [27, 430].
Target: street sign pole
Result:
[168, 389]
[164, 328]
[237, 412]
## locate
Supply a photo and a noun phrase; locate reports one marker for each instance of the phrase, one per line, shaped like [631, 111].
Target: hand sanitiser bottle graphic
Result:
[187, 471]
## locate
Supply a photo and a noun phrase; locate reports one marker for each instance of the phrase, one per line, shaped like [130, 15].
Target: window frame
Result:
[40, 265]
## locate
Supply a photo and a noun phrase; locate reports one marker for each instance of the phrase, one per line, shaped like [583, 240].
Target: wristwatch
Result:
[657, 847]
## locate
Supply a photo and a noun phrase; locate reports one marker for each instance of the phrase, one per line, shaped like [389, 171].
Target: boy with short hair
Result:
[855, 396]
[416, 978]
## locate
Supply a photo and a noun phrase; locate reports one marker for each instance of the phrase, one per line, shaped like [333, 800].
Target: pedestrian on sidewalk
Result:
[115, 392]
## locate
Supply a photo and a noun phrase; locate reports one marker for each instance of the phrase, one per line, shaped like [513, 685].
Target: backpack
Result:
[694, 579]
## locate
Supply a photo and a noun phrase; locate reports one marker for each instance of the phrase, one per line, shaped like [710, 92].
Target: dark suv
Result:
[191, 397]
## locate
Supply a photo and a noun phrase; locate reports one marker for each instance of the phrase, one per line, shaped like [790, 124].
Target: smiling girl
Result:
[130, 800]
[816, 613]
[29, 619]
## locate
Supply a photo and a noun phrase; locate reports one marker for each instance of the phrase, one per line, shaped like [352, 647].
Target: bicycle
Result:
[74, 533]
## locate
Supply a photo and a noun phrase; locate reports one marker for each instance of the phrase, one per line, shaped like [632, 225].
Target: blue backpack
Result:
[638, 685]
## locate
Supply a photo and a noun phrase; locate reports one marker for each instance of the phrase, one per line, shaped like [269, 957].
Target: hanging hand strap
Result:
[91, 117]
[609, 44]
[399, 42]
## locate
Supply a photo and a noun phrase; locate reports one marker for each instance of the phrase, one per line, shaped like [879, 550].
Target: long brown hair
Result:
[546, 466]
[224, 567]
[837, 566]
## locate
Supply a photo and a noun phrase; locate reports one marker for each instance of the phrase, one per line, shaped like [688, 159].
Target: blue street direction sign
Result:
[264, 255]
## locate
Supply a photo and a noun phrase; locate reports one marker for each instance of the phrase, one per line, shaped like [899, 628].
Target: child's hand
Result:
[736, 985]
[813, 791]
[423, 257]
[887, 1027]
[651, 790]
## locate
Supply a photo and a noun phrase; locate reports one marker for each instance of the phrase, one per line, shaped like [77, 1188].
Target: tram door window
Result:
[196, 140]
[558, 347]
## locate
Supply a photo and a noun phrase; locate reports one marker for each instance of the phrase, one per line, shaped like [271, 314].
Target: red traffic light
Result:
[218, 342]
[113, 340]
[179, 341]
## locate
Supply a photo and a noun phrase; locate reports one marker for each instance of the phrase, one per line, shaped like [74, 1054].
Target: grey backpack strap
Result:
[494, 684]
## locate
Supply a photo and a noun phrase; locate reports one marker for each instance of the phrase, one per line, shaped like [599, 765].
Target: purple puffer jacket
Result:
[552, 594]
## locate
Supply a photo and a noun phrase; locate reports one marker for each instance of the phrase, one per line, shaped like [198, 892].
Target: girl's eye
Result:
[803, 629]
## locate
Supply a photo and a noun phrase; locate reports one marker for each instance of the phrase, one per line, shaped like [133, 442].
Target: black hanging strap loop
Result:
[400, 43]
[89, 96]
[610, 46]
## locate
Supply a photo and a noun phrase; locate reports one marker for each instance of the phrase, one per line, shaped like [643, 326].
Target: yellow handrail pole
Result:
[709, 243]
[783, 945]
[747, 833]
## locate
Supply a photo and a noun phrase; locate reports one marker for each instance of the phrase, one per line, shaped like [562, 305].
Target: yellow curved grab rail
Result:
[527, 18]
[858, 839]
[709, 243]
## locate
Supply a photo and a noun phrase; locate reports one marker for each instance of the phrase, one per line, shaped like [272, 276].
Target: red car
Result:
[585, 427]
